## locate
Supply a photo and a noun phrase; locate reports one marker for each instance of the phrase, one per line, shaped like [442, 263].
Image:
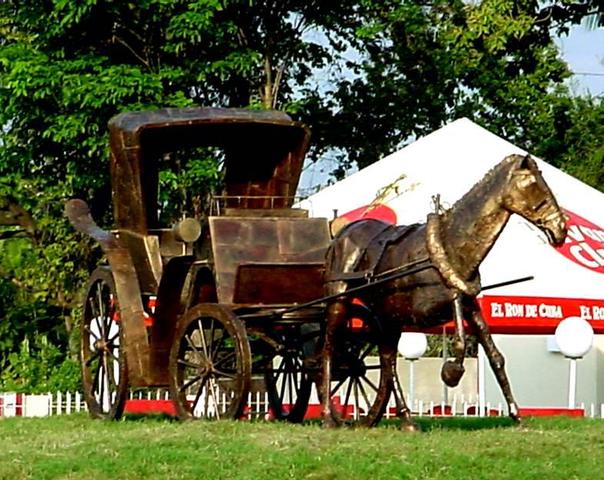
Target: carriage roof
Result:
[263, 156]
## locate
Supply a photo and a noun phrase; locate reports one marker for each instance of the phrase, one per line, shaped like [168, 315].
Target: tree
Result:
[392, 70]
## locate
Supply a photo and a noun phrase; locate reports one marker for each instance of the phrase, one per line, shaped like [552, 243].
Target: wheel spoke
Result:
[356, 400]
[89, 330]
[370, 383]
[336, 388]
[225, 358]
[283, 383]
[219, 343]
[99, 295]
[94, 356]
[186, 363]
[95, 380]
[348, 392]
[367, 351]
[222, 373]
[203, 338]
[190, 382]
[113, 355]
[102, 387]
[199, 392]
[211, 339]
[214, 394]
[364, 394]
[193, 347]
[115, 336]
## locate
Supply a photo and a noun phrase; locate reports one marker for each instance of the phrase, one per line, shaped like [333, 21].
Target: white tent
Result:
[567, 282]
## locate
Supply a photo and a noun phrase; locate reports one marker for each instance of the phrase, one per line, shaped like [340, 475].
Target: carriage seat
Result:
[268, 260]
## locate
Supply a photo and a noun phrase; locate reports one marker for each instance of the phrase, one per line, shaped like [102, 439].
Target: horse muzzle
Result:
[556, 230]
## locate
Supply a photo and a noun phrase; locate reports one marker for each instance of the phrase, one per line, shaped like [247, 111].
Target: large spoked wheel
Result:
[104, 370]
[288, 382]
[210, 364]
[361, 380]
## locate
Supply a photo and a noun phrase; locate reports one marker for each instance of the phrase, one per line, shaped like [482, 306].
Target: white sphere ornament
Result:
[412, 345]
[574, 336]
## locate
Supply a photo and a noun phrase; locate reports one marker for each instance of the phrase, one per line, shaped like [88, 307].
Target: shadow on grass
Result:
[149, 417]
[456, 423]
[425, 423]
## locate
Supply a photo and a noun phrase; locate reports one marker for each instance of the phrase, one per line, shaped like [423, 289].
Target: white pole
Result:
[482, 400]
[411, 384]
[445, 356]
[572, 382]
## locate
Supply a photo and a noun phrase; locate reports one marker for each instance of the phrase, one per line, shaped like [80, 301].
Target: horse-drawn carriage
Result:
[204, 305]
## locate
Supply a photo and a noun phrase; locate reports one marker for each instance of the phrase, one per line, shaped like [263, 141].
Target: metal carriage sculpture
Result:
[220, 286]
[240, 293]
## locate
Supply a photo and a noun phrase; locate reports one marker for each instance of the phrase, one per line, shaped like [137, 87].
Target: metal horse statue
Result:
[444, 253]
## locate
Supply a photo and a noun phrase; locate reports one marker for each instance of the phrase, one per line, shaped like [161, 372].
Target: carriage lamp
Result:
[187, 230]
[412, 346]
[574, 336]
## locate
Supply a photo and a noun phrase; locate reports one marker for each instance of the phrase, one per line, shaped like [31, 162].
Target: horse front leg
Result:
[402, 410]
[336, 317]
[497, 362]
[452, 371]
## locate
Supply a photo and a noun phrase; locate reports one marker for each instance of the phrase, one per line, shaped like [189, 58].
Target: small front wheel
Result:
[210, 364]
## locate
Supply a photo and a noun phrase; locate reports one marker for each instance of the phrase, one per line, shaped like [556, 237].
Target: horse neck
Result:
[469, 230]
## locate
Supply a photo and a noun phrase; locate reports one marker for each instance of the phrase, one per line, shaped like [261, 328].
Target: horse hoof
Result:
[329, 422]
[451, 373]
[410, 427]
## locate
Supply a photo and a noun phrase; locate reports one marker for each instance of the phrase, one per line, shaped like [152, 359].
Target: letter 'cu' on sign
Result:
[584, 243]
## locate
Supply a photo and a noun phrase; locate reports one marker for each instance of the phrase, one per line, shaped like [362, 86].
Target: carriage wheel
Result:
[104, 370]
[361, 380]
[288, 383]
[210, 364]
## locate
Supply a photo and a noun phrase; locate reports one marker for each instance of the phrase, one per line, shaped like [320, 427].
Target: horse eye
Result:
[540, 205]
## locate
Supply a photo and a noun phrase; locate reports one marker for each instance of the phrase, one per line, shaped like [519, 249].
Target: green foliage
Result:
[39, 368]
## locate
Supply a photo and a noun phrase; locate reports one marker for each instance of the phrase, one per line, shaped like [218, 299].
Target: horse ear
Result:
[527, 163]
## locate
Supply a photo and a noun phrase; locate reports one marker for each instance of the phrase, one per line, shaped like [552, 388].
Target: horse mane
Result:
[497, 176]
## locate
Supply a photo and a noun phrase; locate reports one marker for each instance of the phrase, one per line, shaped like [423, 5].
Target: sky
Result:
[582, 49]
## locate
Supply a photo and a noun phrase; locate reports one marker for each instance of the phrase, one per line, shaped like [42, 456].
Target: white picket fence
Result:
[65, 403]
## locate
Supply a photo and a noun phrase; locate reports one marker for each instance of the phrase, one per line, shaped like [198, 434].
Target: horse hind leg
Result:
[497, 362]
[452, 371]
[402, 410]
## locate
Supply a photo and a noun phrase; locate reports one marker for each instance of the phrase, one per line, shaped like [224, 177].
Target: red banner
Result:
[538, 315]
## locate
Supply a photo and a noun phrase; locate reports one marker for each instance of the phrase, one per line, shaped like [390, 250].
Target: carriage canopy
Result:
[263, 153]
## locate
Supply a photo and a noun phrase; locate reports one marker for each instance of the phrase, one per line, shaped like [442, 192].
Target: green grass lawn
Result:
[76, 447]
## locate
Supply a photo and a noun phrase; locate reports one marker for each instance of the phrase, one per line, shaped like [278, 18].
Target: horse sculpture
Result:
[448, 248]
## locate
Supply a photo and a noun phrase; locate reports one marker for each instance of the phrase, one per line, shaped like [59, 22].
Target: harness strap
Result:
[439, 259]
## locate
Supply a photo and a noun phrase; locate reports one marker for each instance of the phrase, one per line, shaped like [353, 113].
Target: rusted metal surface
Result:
[264, 152]
[456, 242]
[136, 344]
[260, 241]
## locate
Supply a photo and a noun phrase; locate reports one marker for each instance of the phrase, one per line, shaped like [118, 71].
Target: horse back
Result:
[357, 249]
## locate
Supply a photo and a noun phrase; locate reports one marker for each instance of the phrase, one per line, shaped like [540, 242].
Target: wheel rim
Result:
[102, 362]
[210, 370]
[360, 386]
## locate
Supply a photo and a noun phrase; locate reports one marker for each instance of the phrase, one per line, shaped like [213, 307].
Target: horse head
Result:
[530, 197]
